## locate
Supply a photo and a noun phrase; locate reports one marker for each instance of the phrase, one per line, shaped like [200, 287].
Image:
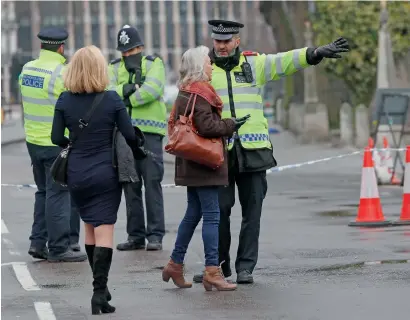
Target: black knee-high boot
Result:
[89, 248]
[102, 264]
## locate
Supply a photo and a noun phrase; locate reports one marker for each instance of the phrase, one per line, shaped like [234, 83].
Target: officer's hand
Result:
[128, 89]
[333, 49]
[137, 87]
[240, 121]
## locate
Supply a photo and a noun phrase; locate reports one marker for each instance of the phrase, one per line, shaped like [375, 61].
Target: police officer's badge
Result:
[124, 39]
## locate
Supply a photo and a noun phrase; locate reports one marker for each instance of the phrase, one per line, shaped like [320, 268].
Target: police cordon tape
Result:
[269, 171]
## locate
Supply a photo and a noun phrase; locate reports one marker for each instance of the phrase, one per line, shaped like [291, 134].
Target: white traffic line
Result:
[44, 311]
[10, 247]
[4, 227]
[24, 277]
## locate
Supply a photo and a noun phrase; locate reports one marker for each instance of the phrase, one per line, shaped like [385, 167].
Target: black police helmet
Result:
[128, 38]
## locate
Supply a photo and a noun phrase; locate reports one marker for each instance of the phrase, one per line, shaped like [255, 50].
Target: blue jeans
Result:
[56, 219]
[202, 202]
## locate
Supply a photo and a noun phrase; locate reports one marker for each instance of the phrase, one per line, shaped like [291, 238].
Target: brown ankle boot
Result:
[213, 276]
[175, 272]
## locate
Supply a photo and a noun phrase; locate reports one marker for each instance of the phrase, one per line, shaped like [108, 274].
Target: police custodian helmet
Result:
[128, 38]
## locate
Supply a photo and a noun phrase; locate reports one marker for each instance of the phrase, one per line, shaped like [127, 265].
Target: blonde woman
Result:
[92, 181]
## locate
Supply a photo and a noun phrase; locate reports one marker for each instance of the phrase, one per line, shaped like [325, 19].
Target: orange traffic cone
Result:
[389, 161]
[370, 212]
[405, 208]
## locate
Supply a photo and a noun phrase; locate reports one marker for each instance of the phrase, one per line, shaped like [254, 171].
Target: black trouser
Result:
[252, 187]
[56, 219]
[151, 171]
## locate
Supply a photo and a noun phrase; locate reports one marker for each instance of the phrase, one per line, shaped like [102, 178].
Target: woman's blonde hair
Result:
[192, 66]
[87, 71]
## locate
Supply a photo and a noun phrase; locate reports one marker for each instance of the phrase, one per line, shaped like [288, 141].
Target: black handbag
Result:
[58, 169]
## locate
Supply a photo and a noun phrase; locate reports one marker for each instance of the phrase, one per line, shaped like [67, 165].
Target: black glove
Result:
[332, 50]
[127, 102]
[240, 121]
[128, 89]
[139, 153]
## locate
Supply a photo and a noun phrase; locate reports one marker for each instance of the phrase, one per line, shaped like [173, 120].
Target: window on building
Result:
[170, 60]
[125, 15]
[197, 23]
[140, 17]
[210, 9]
[156, 39]
[223, 9]
[237, 10]
[95, 23]
[170, 25]
[53, 13]
[184, 25]
[78, 17]
[111, 32]
[24, 32]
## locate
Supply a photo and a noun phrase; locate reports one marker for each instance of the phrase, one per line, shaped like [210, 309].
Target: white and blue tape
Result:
[272, 170]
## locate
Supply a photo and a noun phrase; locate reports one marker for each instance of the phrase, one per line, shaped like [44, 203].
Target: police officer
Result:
[238, 77]
[140, 81]
[55, 219]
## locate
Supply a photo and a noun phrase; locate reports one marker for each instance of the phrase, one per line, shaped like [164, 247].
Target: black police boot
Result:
[244, 277]
[102, 263]
[131, 245]
[89, 248]
[38, 253]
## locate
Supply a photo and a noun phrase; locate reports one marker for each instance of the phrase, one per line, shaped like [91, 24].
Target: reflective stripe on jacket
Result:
[245, 97]
[41, 84]
[148, 108]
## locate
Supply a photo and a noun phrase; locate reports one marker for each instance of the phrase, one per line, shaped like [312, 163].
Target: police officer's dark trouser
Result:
[151, 172]
[56, 220]
[252, 188]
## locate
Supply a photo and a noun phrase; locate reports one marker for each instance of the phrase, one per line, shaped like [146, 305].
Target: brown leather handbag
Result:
[185, 142]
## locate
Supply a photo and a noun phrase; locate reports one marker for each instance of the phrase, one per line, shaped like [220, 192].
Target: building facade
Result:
[168, 27]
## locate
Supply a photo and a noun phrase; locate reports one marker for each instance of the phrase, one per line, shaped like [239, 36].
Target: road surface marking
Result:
[24, 277]
[10, 247]
[44, 311]
[4, 227]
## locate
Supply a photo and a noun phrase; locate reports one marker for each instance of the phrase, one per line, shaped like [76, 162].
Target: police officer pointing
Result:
[238, 77]
[140, 81]
[55, 219]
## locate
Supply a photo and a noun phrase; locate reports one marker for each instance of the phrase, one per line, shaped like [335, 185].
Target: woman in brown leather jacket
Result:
[202, 183]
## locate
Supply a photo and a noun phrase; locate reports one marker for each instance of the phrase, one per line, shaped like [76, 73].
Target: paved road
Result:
[309, 263]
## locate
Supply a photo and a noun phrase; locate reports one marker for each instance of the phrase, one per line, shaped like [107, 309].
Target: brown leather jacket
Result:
[207, 120]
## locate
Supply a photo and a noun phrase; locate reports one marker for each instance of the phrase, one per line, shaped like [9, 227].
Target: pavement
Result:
[311, 266]
[12, 130]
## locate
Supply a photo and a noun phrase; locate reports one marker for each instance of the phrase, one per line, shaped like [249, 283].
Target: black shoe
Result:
[154, 245]
[198, 277]
[75, 247]
[102, 262]
[68, 256]
[130, 245]
[244, 277]
[89, 249]
[38, 253]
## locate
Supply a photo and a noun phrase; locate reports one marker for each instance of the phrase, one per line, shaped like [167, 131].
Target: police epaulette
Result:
[152, 57]
[250, 53]
[115, 61]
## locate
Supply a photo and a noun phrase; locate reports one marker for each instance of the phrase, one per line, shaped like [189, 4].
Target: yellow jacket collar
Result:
[50, 55]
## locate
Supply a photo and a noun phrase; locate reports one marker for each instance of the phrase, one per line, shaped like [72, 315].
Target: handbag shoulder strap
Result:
[193, 108]
[83, 122]
[187, 105]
